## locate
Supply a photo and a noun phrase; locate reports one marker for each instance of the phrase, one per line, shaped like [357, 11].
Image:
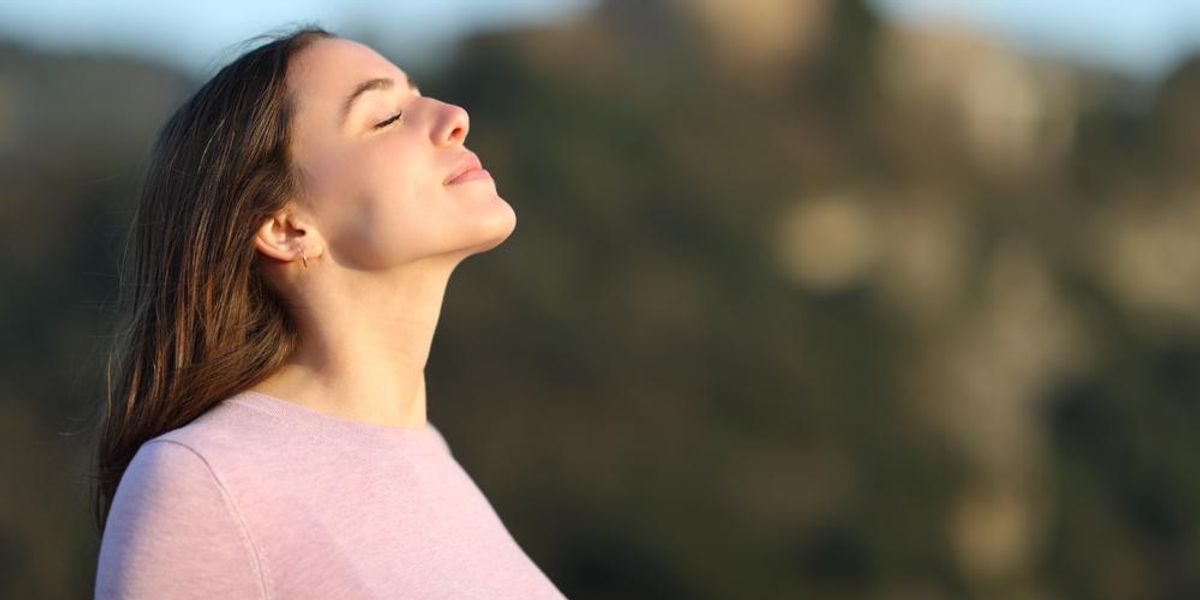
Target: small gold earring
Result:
[304, 258]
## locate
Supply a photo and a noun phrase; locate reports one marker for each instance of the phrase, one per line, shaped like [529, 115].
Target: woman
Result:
[266, 417]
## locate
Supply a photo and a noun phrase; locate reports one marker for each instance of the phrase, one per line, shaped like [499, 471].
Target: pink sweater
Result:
[263, 498]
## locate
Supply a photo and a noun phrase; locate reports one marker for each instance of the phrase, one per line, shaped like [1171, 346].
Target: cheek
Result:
[387, 198]
[377, 204]
[392, 168]
[394, 184]
[325, 176]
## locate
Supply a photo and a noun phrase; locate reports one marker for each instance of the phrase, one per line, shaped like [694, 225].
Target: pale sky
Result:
[199, 35]
[1143, 38]
[1139, 37]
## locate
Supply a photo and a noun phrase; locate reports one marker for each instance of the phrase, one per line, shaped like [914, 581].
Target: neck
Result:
[364, 345]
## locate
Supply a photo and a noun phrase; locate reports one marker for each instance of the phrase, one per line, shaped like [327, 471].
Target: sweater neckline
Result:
[293, 412]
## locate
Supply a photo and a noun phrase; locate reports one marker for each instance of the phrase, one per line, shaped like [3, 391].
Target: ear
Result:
[284, 235]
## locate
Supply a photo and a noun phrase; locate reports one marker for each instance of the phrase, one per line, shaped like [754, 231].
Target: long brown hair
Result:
[201, 321]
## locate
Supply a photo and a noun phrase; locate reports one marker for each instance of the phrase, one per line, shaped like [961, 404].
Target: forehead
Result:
[322, 74]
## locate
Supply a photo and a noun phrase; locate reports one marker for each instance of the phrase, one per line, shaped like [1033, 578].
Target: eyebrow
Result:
[378, 83]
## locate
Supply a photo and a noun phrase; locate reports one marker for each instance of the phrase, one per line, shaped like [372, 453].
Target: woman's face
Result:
[375, 186]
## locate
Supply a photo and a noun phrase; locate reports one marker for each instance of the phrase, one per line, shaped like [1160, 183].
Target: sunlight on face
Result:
[377, 157]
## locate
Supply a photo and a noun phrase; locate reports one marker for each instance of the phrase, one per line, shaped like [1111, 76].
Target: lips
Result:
[469, 163]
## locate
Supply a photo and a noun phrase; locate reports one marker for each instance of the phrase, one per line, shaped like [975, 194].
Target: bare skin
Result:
[382, 232]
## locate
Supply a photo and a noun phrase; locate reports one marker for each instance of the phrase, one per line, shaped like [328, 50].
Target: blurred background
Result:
[807, 298]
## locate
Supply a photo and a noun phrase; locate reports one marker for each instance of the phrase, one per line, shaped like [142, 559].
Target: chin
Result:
[498, 237]
[501, 222]
[492, 231]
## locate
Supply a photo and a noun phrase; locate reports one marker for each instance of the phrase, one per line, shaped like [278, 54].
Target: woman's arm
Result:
[173, 532]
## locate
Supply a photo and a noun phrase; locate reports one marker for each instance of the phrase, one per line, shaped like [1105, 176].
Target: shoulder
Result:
[224, 425]
[441, 439]
[173, 527]
[178, 512]
[167, 479]
[235, 442]
[165, 459]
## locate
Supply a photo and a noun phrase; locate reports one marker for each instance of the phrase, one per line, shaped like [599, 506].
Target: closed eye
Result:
[389, 120]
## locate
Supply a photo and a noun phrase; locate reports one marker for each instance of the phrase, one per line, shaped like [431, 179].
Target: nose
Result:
[452, 125]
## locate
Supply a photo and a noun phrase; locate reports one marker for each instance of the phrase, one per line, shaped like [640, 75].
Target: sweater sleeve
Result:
[173, 532]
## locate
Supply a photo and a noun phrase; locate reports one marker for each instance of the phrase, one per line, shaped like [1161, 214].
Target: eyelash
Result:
[389, 120]
[397, 116]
